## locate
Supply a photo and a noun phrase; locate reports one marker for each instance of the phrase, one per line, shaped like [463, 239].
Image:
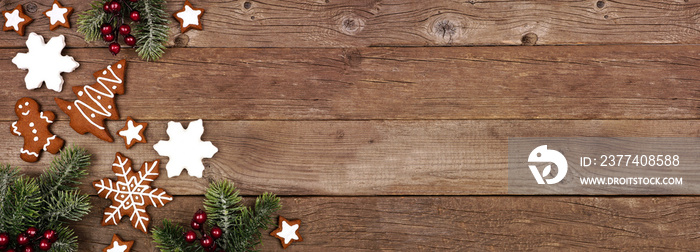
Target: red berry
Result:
[31, 231]
[124, 29]
[130, 40]
[114, 48]
[195, 225]
[51, 235]
[4, 239]
[106, 29]
[200, 216]
[206, 241]
[212, 248]
[107, 7]
[28, 249]
[10, 250]
[115, 6]
[45, 244]
[216, 232]
[108, 37]
[135, 16]
[190, 236]
[22, 239]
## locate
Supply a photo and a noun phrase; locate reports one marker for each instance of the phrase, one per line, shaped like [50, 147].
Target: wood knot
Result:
[247, 5]
[182, 40]
[352, 57]
[600, 4]
[445, 30]
[30, 7]
[529, 39]
[351, 25]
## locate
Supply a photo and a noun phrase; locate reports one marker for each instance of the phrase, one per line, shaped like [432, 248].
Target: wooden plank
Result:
[593, 82]
[352, 23]
[453, 223]
[443, 157]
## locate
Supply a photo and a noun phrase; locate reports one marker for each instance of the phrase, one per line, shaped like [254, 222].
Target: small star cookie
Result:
[189, 17]
[58, 15]
[16, 20]
[132, 132]
[118, 245]
[287, 232]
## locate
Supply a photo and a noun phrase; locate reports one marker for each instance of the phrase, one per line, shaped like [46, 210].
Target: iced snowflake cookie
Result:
[131, 193]
[189, 17]
[287, 232]
[16, 20]
[58, 15]
[33, 125]
[96, 102]
[118, 245]
[132, 132]
[45, 62]
[185, 149]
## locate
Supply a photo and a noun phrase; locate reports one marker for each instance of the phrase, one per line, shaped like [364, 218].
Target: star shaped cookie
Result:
[58, 15]
[287, 232]
[132, 132]
[16, 20]
[189, 17]
[118, 245]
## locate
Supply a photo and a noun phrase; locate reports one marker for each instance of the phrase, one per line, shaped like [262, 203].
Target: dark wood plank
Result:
[442, 157]
[352, 23]
[453, 223]
[593, 82]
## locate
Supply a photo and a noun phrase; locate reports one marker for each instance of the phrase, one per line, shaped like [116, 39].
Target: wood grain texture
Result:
[353, 23]
[571, 82]
[452, 223]
[442, 157]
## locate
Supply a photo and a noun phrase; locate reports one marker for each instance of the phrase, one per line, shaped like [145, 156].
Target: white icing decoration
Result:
[34, 131]
[26, 104]
[117, 248]
[13, 19]
[106, 93]
[185, 149]
[189, 16]
[37, 139]
[45, 62]
[288, 232]
[31, 124]
[69, 107]
[119, 66]
[56, 14]
[80, 93]
[15, 129]
[22, 150]
[25, 113]
[132, 132]
[109, 106]
[20, 106]
[130, 187]
[42, 116]
[48, 141]
[92, 115]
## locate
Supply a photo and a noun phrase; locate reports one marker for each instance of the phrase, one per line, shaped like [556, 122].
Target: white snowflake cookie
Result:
[45, 62]
[185, 149]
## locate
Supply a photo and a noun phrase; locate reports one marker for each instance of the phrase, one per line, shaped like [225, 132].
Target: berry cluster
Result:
[208, 240]
[27, 241]
[109, 33]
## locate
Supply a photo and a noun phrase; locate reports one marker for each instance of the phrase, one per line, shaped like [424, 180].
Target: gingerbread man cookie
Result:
[33, 125]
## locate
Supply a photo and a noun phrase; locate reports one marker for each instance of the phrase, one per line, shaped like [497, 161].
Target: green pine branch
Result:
[90, 21]
[241, 225]
[47, 202]
[152, 31]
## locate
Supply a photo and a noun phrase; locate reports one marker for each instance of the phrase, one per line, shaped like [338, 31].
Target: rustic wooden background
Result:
[383, 124]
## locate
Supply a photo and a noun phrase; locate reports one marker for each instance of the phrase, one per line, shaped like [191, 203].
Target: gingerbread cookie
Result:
[132, 132]
[189, 17]
[131, 193]
[287, 232]
[16, 20]
[96, 102]
[118, 245]
[58, 15]
[33, 125]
